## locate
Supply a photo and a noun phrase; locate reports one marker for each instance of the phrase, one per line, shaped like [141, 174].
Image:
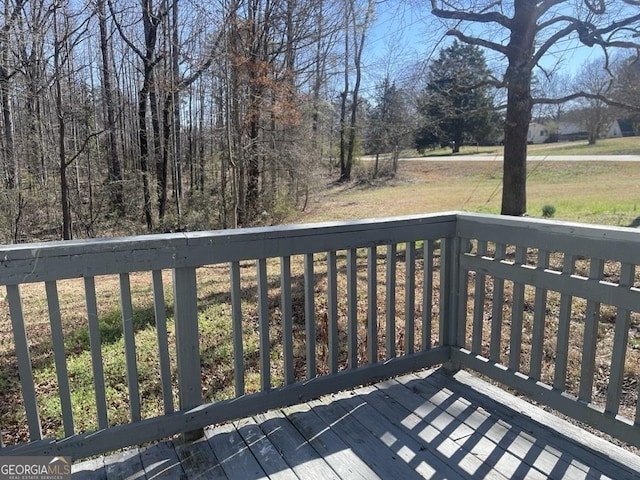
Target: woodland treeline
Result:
[159, 115]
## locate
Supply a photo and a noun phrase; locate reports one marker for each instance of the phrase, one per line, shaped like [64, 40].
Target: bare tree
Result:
[115, 170]
[595, 114]
[533, 28]
[357, 40]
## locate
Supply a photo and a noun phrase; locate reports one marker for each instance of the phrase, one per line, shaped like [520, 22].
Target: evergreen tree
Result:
[456, 106]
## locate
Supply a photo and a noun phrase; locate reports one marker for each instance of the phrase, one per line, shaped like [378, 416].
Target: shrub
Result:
[548, 211]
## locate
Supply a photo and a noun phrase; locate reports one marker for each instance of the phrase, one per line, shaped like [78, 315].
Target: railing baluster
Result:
[24, 361]
[620, 339]
[287, 321]
[160, 315]
[352, 307]
[410, 297]
[590, 339]
[185, 300]
[427, 293]
[539, 321]
[391, 301]
[263, 320]
[564, 324]
[57, 337]
[496, 309]
[310, 315]
[332, 307]
[372, 313]
[236, 330]
[515, 343]
[96, 351]
[478, 304]
[129, 346]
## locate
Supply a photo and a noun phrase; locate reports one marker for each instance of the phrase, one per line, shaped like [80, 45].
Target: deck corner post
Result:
[450, 294]
[185, 300]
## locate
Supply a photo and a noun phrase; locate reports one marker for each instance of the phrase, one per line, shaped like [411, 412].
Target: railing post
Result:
[185, 300]
[449, 298]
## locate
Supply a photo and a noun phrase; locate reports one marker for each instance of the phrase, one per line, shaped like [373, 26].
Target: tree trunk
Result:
[113, 162]
[519, 103]
[64, 187]
[144, 151]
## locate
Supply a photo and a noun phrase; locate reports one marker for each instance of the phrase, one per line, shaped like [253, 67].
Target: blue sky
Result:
[404, 34]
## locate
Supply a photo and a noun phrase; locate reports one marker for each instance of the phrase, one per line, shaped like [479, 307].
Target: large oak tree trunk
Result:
[519, 103]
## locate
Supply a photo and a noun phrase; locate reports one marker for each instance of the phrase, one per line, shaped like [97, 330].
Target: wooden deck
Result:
[423, 425]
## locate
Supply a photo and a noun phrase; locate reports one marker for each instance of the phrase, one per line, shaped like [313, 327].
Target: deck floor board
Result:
[422, 425]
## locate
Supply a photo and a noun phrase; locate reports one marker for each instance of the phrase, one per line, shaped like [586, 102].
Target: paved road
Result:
[550, 158]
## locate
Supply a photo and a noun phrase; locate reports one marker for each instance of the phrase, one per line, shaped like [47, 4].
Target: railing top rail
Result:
[37, 262]
[598, 241]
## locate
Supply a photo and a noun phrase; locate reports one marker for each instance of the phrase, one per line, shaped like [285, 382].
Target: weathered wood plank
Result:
[125, 465]
[572, 238]
[263, 326]
[57, 338]
[24, 362]
[92, 469]
[54, 260]
[564, 323]
[390, 303]
[478, 304]
[199, 461]
[496, 307]
[329, 445]
[619, 427]
[490, 428]
[160, 461]
[515, 340]
[429, 449]
[381, 449]
[443, 434]
[236, 329]
[287, 320]
[574, 285]
[539, 321]
[309, 316]
[567, 438]
[95, 344]
[303, 459]
[372, 305]
[409, 297]
[427, 293]
[233, 453]
[332, 314]
[590, 339]
[160, 315]
[185, 304]
[264, 451]
[352, 308]
[620, 345]
[128, 333]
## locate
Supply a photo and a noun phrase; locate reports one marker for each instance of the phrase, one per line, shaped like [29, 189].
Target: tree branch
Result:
[478, 41]
[490, 17]
[591, 96]
[82, 147]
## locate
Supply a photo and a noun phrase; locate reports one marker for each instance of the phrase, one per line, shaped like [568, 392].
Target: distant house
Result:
[571, 131]
[537, 133]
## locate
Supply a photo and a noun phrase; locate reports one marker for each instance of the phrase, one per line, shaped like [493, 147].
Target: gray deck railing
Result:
[542, 307]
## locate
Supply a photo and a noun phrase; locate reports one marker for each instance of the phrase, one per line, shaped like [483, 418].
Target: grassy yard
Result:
[606, 146]
[593, 192]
